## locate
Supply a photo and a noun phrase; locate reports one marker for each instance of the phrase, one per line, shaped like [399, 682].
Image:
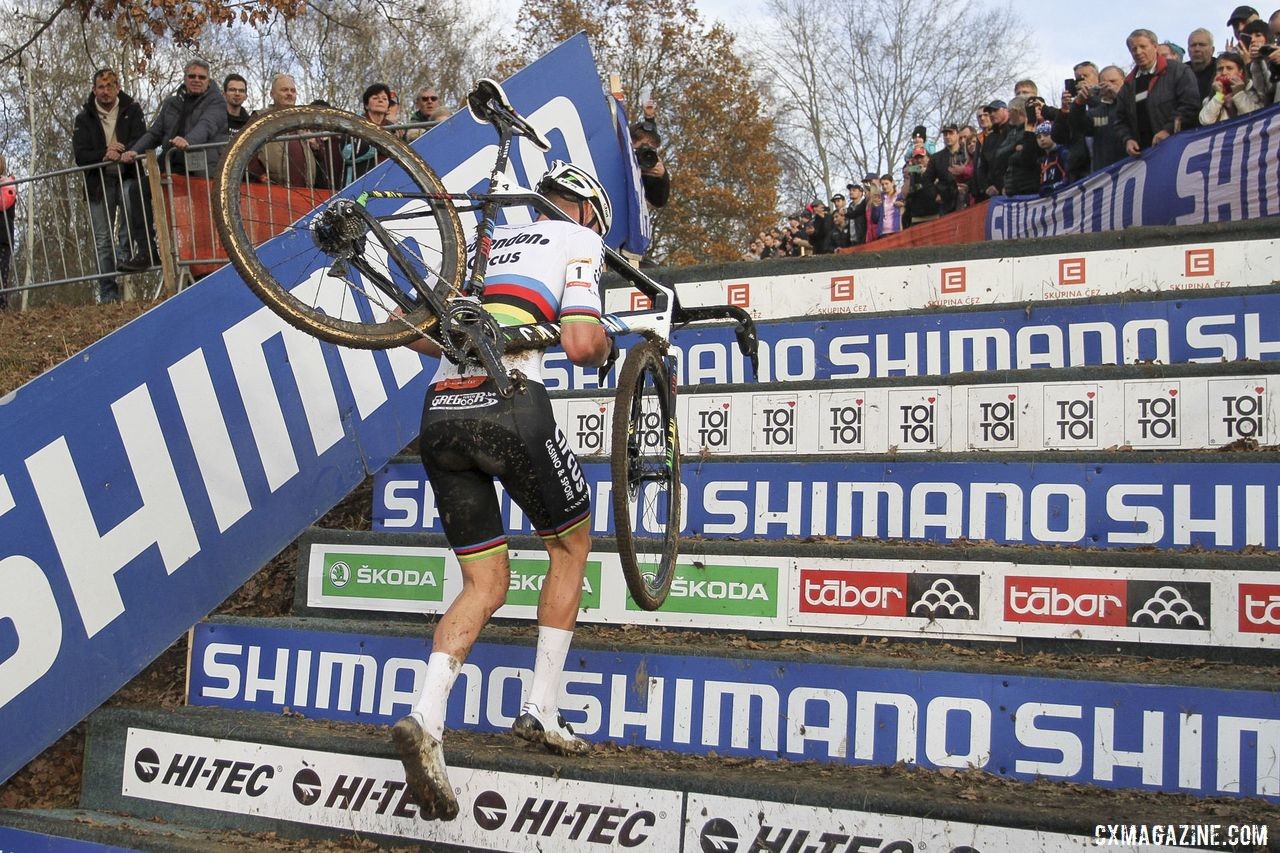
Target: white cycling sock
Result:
[442, 669]
[553, 648]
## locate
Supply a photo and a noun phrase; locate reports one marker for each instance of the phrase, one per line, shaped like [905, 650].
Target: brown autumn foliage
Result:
[717, 136]
[143, 23]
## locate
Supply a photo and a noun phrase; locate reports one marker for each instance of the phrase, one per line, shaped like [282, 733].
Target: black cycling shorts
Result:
[470, 436]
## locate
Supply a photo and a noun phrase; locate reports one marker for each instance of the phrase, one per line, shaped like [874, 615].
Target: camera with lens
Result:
[647, 156]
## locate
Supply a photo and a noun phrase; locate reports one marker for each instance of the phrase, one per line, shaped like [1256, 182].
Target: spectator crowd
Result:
[1027, 146]
[190, 129]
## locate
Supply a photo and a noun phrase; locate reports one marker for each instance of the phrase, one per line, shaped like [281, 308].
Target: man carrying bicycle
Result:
[545, 271]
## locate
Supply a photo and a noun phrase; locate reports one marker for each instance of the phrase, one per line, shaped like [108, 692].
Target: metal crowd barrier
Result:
[51, 235]
[273, 200]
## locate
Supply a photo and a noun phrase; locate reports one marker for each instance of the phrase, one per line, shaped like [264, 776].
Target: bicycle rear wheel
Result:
[645, 462]
[310, 252]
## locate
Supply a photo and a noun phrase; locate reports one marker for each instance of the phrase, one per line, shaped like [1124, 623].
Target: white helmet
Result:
[579, 183]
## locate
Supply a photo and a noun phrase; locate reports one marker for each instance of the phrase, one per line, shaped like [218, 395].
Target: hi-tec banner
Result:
[516, 811]
[144, 480]
[1203, 741]
[1224, 173]
[1219, 505]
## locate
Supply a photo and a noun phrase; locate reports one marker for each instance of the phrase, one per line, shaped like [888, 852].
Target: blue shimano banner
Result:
[144, 480]
[1226, 505]
[35, 842]
[1165, 331]
[1223, 173]
[1168, 738]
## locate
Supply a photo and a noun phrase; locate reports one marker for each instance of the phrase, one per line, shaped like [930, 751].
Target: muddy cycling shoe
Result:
[424, 770]
[537, 726]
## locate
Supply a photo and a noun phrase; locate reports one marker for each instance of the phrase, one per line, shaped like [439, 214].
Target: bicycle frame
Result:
[488, 103]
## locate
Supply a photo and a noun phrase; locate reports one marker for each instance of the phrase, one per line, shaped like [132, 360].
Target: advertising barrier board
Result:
[1197, 740]
[144, 480]
[733, 825]
[1221, 173]
[734, 592]
[769, 291]
[1208, 504]
[1197, 330]
[941, 599]
[512, 811]
[1177, 413]
[363, 795]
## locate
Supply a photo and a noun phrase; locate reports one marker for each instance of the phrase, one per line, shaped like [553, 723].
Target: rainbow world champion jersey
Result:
[545, 271]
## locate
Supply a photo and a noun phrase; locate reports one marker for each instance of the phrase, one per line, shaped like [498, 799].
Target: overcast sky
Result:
[1065, 33]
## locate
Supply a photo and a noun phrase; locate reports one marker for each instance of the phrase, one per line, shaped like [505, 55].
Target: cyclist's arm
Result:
[582, 336]
[586, 344]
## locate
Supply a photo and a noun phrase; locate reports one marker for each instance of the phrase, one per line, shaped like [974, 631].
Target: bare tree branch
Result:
[851, 80]
[39, 31]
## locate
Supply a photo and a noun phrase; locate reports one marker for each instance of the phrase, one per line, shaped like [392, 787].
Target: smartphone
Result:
[1069, 85]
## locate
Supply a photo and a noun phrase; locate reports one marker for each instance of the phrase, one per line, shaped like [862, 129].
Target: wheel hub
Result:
[339, 230]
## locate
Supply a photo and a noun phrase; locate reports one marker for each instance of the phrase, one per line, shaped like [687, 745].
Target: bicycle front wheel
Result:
[645, 461]
[342, 263]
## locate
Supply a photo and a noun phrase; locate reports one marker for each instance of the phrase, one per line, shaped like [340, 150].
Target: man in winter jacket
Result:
[193, 115]
[1019, 154]
[989, 175]
[1097, 121]
[1159, 97]
[109, 123]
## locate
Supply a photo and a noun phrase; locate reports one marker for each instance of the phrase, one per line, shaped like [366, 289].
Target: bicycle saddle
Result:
[488, 104]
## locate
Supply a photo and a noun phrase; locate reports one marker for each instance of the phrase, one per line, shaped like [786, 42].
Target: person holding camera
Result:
[1080, 92]
[1094, 121]
[1019, 154]
[645, 140]
[1159, 97]
[1262, 60]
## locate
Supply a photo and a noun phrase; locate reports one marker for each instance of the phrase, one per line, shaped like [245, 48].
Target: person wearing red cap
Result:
[921, 189]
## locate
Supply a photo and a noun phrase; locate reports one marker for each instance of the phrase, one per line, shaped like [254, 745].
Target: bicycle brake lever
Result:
[608, 362]
[749, 344]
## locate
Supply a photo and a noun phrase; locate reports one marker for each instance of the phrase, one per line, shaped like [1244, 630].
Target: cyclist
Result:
[546, 270]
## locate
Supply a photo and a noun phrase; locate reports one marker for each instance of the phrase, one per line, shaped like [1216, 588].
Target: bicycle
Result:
[379, 265]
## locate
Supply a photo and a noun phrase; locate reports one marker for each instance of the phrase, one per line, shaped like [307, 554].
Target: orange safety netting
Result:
[267, 210]
[966, 226]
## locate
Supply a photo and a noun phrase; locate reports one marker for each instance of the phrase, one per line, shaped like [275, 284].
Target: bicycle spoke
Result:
[646, 477]
[347, 269]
